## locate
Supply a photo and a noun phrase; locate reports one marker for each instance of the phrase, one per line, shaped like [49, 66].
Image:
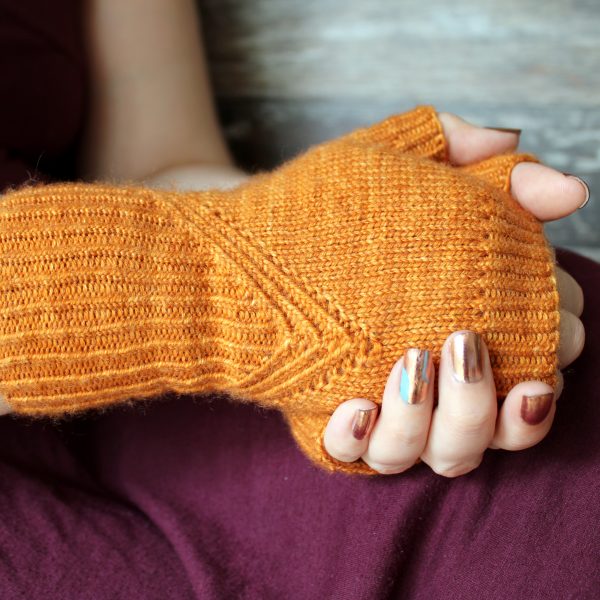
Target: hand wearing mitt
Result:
[293, 291]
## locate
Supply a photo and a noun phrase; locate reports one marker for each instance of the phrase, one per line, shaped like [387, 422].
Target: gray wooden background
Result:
[290, 73]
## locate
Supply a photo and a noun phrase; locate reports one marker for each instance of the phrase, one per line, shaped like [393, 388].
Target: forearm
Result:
[151, 105]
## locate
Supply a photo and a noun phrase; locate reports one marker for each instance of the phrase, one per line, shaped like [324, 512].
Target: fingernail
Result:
[414, 379]
[534, 409]
[467, 357]
[505, 129]
[364, 419]
[584, 184]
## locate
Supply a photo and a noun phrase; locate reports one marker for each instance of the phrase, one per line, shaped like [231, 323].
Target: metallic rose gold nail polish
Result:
[534, 409]
[586, 187]
[364, 419]
[467, 356]
[415, 376]
[505, 129]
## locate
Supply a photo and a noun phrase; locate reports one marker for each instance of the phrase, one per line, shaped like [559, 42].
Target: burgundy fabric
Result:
[189, 497]
[42, 88]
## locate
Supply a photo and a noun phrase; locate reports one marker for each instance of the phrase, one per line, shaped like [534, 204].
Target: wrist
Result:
[195, 176]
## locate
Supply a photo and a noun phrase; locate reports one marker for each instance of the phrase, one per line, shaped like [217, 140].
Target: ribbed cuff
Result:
[418, 132]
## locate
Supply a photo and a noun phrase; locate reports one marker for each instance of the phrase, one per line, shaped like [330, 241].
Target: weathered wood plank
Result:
[510, 52]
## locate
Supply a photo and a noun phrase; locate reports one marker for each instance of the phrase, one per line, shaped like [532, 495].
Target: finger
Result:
[560, 384]
[346, 436]
[526, 416]
[547, 193]
[468, 143]
[400, 433]
[462, 425]
[570, 292]
[572, 338]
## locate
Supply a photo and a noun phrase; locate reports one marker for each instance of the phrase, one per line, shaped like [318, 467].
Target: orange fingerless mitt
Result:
[299, 290]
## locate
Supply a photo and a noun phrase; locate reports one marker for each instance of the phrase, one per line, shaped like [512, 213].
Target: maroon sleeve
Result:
[42, 88]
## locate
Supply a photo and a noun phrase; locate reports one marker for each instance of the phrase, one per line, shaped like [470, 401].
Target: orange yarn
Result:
[298, 290]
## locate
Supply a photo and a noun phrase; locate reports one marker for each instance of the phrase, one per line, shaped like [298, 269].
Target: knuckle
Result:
[406, 437]
[514, 444]
[572, 331]
[339, 451]
[455, 470]
[578, 334]
[469, 422]
[522, 440]
[343, 456]
[388, 469]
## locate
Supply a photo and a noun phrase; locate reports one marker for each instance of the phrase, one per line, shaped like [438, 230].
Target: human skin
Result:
[152, 120]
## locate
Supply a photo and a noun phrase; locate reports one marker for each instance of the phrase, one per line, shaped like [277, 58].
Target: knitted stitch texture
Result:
[299, 290]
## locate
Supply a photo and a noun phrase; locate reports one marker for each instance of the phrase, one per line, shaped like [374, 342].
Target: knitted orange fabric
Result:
[298, 290]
